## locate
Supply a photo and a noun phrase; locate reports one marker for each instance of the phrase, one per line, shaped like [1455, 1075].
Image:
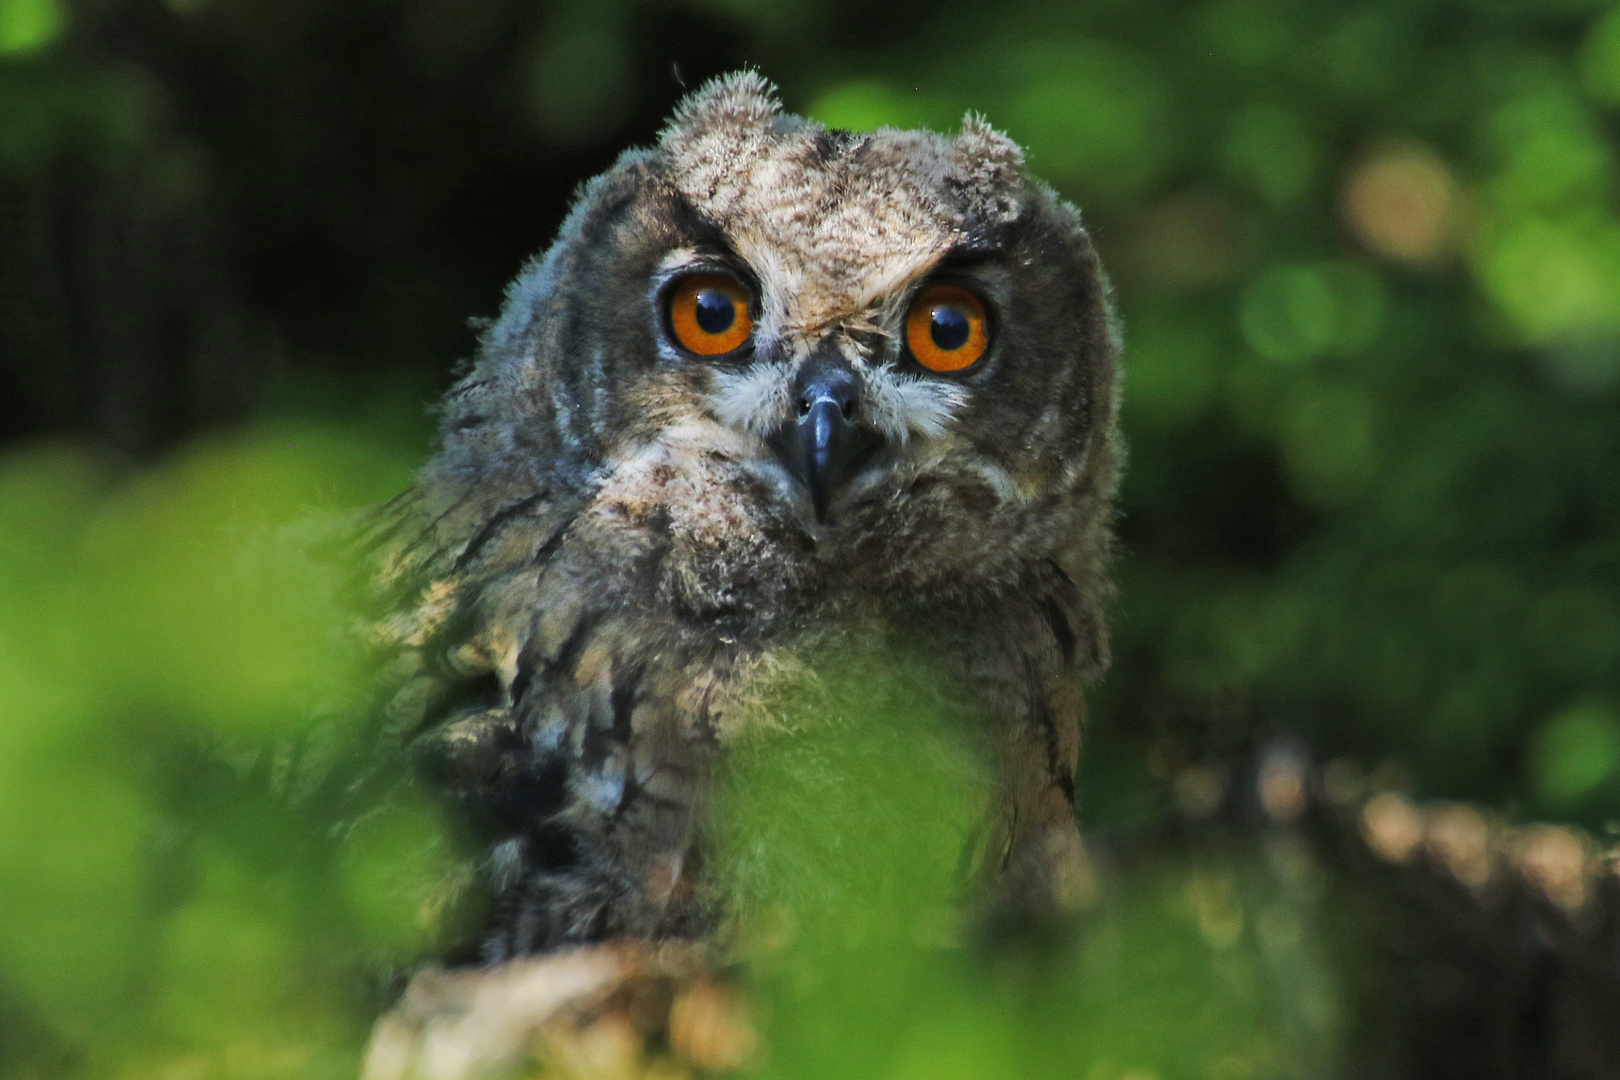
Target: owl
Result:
[775, 385]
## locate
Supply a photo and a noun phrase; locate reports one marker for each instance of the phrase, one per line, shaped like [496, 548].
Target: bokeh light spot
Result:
[1187, 242]
[1575, 752]
[1269, 147]
[1329, 437]
[1172, 368]
[1549, 149]
[29, 25]
[1291, 313]
[1553, 278]
[1092, 113]
[868, 104]
[1402, 202]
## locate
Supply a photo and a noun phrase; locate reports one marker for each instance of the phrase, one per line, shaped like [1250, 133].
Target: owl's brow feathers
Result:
[834, 227]
[758, 399]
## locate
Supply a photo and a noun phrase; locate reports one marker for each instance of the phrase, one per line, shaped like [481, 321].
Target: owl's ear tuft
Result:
[987, 163]
[742, 101]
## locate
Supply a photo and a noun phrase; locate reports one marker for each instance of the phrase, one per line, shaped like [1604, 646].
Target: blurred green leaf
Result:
[395, 869]
[157, 638]
[1599, 59]
[817, 819]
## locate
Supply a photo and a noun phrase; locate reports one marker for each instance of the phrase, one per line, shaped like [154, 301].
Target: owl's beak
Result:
[825, 443]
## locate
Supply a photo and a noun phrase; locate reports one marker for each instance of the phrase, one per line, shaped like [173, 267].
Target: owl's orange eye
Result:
[708, 314]
[946, 328]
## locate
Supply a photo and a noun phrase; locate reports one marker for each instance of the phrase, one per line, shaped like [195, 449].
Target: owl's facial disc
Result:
[827, 440]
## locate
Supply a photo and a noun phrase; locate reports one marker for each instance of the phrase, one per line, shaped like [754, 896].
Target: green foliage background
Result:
[1368, 268]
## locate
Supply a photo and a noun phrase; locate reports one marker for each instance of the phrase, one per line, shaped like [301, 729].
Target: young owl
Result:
[775, 386]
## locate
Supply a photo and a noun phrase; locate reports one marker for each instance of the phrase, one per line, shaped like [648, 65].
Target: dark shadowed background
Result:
[1367, 258]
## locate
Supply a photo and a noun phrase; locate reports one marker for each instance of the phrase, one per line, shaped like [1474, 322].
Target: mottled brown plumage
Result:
[613, 553]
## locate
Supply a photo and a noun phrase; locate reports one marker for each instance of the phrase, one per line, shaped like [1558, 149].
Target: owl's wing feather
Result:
[531, 706]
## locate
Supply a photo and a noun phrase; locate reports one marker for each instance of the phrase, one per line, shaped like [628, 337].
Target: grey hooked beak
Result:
[824, 445]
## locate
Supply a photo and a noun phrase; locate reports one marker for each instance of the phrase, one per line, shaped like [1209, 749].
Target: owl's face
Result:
[889, 354]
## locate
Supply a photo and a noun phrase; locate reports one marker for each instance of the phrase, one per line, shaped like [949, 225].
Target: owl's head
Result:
[889, 352]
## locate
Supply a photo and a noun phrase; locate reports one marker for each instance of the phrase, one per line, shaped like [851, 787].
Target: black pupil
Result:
[949, 328]
[715, 311]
